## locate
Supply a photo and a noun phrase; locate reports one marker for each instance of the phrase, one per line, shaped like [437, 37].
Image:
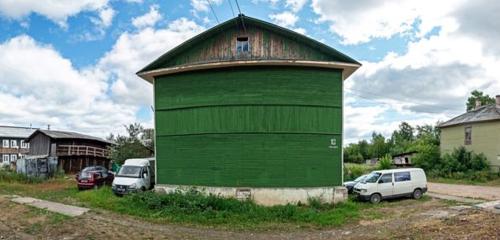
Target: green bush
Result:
[385, 162]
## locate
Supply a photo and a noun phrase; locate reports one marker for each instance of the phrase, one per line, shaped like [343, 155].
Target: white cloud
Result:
[132, 51]
[95, 100]
[203, 6]
[57, 11]
[295, 5]
[360, 21]
[148, 19]
[53, 92]
[284, 19]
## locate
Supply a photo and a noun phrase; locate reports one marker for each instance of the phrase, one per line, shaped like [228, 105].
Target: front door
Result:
[386, 185]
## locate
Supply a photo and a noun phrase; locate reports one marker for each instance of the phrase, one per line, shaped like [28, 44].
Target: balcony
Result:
[82, 150]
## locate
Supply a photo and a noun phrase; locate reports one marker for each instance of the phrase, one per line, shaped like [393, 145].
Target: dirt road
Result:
[470, 191]
[402, 219]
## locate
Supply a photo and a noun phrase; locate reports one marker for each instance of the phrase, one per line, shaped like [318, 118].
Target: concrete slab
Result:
[60, 208]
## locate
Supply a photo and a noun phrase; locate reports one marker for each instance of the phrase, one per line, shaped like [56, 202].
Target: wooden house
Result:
[74, 151]
[12, 143]
[248, 108]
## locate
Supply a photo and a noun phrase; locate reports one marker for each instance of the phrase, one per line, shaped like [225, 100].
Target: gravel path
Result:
[470, 191]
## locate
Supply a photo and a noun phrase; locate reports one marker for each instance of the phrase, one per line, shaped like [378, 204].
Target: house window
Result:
[13, 158]
[468, 135]
[24, 144]
[242, 45]
[5, 158]
[13, 143]
[5, 143]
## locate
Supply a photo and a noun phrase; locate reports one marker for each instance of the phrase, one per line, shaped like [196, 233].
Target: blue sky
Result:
[71, 64]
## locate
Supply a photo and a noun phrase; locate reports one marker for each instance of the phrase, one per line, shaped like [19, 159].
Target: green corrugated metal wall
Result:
[250, 127]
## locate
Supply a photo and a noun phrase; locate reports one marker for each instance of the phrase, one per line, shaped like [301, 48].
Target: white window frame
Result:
[13, 157]
[6, 143]
[5, 158]
[13, 144]
[241, 44]
[24, 144]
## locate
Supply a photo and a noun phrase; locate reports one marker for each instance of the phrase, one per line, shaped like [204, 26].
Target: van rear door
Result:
[402, 183]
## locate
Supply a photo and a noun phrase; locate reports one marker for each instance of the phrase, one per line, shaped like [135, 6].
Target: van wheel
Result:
[143, 189]
[375, 198]
[417, 194]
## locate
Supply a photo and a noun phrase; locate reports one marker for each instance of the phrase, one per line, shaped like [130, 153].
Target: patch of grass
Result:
[194, 207]
[11, 176]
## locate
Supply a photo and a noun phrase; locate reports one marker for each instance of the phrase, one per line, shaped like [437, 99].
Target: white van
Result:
[135, 175]
[392, 183]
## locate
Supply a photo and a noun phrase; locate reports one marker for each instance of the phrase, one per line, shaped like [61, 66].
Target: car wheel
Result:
[375, 198]
[417, 194]
[143, 189]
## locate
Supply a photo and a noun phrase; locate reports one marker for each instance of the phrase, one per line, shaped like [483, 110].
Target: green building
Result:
[477, 130]
[250, 109]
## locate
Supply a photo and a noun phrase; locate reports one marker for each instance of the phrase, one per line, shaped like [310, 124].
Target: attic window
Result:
[242, 45]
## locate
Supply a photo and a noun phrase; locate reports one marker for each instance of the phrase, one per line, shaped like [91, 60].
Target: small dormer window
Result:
[242, 45]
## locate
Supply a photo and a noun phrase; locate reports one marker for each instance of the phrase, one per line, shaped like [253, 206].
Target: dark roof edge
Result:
[86, 137]
[211, 31]
[443, 125]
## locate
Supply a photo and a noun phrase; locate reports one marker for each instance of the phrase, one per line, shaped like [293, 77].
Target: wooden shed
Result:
[248, 108]
[74, 151]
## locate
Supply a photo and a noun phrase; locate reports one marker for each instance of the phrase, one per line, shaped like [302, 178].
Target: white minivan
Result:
[135, 175]
[392, 183]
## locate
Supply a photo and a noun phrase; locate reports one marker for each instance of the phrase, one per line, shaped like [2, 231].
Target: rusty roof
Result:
[67, 135]
[489, 112]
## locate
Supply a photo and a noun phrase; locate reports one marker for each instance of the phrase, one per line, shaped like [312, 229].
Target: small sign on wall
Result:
[333, 143]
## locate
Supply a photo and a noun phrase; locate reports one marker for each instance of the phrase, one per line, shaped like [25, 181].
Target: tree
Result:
[402, 138]
[378, 146]
[478, 95]
[135, 145]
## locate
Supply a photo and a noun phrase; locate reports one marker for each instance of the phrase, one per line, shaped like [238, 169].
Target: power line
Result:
[241, 16]
[231, 5]
[215, 15]
[238, 5]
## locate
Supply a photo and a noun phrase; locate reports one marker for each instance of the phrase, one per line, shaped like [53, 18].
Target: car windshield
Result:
[130, 171]
[372, 177]
[359, 179]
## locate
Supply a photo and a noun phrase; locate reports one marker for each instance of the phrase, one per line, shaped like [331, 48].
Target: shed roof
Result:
[67, 135]
[342, 61]
[16, 132]
[489, 112]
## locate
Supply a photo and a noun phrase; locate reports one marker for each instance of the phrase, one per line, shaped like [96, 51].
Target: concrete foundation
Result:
[267, 196]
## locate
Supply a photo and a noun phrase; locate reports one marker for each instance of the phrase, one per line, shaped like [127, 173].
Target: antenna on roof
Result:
[240, 15]
[215, 15]
[48, 126]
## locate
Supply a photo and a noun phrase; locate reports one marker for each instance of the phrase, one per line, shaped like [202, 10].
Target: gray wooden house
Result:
[73, 151]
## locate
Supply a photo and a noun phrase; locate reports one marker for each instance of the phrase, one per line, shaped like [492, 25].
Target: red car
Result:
[94, 177]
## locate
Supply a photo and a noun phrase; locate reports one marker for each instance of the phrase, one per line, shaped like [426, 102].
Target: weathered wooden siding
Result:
[250, 127]
[264, 45]
[40, 145]
[485, 139]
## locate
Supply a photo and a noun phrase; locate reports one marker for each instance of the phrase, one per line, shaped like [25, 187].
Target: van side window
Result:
[386, 178]
[402, 176]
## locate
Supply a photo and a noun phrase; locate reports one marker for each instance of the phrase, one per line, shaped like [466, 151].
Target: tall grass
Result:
[195, 207]
[11, 176]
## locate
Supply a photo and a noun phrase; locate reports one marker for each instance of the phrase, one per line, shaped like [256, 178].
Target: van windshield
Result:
[372, 177]
[130, 171]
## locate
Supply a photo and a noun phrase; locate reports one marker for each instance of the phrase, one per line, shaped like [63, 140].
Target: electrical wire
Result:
[215, 15]
[231, 5]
